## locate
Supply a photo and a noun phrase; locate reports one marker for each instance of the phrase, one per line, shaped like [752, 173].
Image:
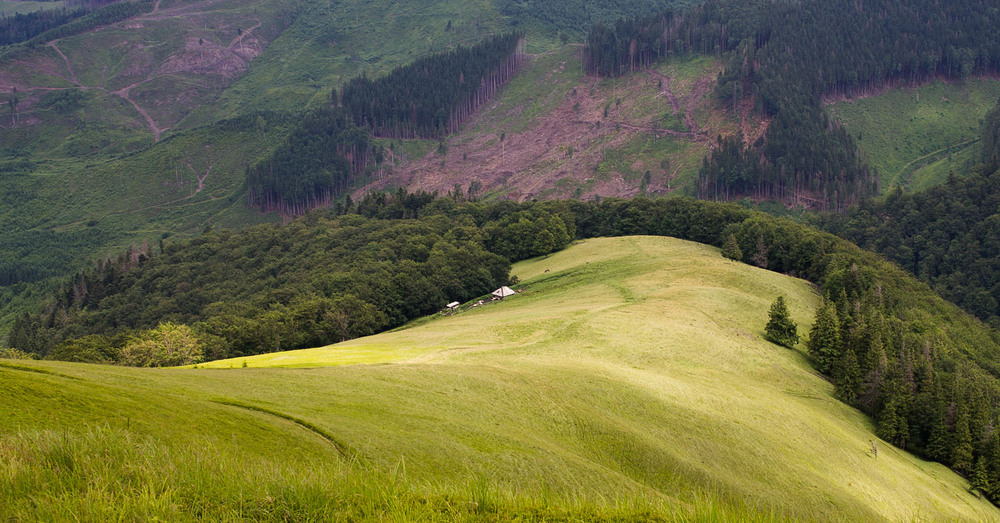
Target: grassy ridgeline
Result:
[629, 379]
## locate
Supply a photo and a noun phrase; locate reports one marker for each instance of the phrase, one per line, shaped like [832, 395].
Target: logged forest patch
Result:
[555, 132]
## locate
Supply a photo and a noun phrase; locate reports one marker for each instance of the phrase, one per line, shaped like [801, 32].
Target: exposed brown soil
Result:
[559, 155]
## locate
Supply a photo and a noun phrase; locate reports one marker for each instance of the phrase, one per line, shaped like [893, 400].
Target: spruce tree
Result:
[887, 424]
[780, 328]
[961, 453]
[731, 249]
[993, 464]
[824, 338]
[848, 376]
[980, 478]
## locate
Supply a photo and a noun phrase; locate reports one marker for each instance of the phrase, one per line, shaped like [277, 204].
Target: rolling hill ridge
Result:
[625, 380]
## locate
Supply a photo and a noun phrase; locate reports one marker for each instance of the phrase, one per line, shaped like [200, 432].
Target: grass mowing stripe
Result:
[298, 421]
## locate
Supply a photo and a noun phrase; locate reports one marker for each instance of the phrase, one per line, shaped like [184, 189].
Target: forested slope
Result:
[333, 145]
[948, 236]
[271, 287]
[786, 56]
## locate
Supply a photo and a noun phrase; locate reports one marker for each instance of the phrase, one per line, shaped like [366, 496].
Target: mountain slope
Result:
[629, 379]
[581, 136]
[916, 135]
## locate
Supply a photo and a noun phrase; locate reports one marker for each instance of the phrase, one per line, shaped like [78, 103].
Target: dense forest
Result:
[576, 16]
[316, 163]
[949, 236]
[925, 371]
[786, 56]
[321, 279]
[433, 96]
[22, 27]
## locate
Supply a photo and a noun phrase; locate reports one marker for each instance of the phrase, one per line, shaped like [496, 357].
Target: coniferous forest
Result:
[317, 163]
[787, 56]
[333, 144]
[433, 96]
[36, 28]
[948, 236]
[22, 27]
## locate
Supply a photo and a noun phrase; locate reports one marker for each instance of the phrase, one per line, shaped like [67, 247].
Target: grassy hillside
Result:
[916, 136]
[70, 211]
[627, 380]
[114, 126]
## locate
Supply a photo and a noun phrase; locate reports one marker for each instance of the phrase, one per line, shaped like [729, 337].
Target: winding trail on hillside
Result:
[156, 14]
[201, 179]
[665, 90]
[122, 93]
[698, 92]
[69, 66]
[916, 164]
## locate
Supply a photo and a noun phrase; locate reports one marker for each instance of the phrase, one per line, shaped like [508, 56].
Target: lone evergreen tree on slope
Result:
[780, 328]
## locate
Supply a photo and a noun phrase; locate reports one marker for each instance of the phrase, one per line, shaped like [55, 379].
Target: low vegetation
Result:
[906, 342]
[625, 382]
[914, 136]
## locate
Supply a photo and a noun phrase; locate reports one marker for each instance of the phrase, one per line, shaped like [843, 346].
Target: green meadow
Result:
[916, 136]
[628, 380]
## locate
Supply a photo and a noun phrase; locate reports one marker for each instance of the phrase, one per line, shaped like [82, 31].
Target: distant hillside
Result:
[81, 172]
[625, 381]
[581, 137]
[916, 136]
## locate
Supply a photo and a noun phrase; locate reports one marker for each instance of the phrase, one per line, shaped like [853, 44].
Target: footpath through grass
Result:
[628, 380]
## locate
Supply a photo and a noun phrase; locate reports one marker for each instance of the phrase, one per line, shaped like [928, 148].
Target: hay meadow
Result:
[629, 379]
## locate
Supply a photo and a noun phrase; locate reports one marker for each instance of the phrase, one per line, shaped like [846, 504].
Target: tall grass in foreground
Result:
[107, 474]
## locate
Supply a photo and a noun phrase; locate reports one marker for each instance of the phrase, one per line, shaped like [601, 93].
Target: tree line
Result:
[575, 17]
[326, 277]
[317, 162]
[928, 373]
[786, 56]
[22, 27]
[434, 95]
